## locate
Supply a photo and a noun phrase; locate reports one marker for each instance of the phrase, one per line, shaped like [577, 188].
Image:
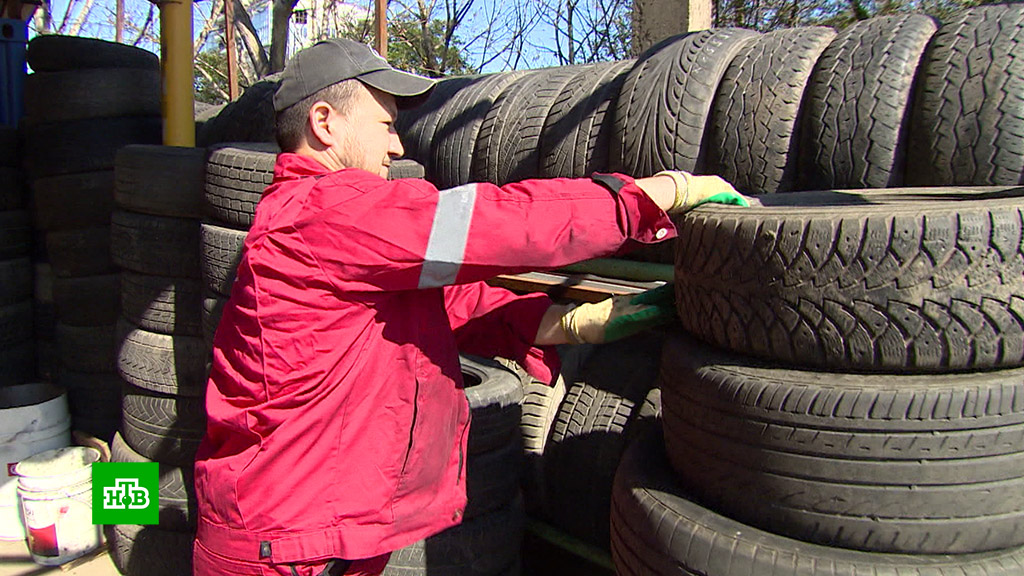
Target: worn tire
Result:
[251, 118]
[899, 280]
[16, 280]
[162, 363]
[149, 550]
[236, 176]
[57, 53]
[221, 253]
[73, 201]
[910, 464]
[91, 349]
[15, 234]
[162, 427]
[92, 93]
[406, 168]
[158, 245]
[80, 252]
[664, 106]
[590, 432]
[458, 126]
[858, 104]
[507, 146]
[966, 123]
[495, 395]
[577, 133]
[160, 180]
[56, 148]
[177, 495]
[755, 123]
[87, 300]
[162, 304]
[416, 126]
[13, 191]
[657, 528]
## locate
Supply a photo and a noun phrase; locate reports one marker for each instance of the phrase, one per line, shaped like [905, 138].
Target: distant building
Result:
[312, 20]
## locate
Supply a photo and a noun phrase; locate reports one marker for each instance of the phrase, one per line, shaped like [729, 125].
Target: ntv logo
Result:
[126, 493]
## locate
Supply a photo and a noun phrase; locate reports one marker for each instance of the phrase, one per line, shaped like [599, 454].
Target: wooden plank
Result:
[582, 288]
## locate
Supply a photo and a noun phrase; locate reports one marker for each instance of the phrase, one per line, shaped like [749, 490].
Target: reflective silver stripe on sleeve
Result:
[448, 234]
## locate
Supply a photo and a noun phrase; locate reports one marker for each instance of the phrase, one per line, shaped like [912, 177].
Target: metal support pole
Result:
[13, 37]
[381, 28]
[229, 41]
[176, 67]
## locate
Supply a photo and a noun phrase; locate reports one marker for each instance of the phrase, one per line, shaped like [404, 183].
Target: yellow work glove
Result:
[692, 191]
[619, 316]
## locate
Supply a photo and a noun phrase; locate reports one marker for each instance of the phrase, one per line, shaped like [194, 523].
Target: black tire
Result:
[158, 245]
[19, 364]
[899, 280]
[163, 304]
[664, 106]
[492, 478]
[56, 53]
[495, 396]
[416, 126]
[80, 252]
[222, 251]
[163, 427]
[912, 464]
[91, 349]
[57, 148]
[970, 96]
[406, 168]
[87, 300]
[10, 147]
[251, 118]
[178, 507]
[236, 175]
[91, 93]
[160, 180]
[590, 432]
[15, 234]
[13, 191]
[487, 545]
[578, 130]
[16, 280]
[15, 323]
[96, 395]
[162, 363]
[858, 104]
[459, 124]
[540, 408]
[507, 146]
[755, 123]
[73, 200]
[658, 529]
[213, 308]
[149, 550]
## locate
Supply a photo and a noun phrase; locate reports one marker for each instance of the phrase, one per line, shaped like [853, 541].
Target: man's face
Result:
[370, 140]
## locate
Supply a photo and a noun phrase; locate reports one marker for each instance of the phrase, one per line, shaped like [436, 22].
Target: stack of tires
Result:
[17, 338]
[86, 99]
[846, 397]
[161, 354]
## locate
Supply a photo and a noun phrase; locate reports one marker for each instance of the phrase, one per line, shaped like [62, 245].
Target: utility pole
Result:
[381, 21]
[655, 20]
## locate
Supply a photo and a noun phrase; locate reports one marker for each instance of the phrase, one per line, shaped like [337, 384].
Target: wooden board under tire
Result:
[896, 280]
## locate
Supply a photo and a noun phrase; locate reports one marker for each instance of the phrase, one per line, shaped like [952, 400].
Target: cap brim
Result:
[408, 89]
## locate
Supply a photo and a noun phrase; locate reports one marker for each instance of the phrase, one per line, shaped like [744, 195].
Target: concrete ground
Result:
[16, 561]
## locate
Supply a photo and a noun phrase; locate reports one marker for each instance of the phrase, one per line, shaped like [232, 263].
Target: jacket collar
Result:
[290, 166]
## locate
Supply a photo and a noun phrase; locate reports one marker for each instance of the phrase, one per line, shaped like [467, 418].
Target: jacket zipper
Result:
[412, 426]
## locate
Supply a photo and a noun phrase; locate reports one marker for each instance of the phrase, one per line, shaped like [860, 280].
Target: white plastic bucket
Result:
[55, 491]
[33, 418]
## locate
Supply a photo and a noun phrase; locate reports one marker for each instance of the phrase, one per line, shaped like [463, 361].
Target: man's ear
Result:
[318, 123]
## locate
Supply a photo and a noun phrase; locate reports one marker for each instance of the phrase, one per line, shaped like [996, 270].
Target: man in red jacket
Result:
[337, 423]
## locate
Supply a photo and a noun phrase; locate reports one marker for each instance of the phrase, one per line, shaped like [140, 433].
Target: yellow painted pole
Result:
[176, 65]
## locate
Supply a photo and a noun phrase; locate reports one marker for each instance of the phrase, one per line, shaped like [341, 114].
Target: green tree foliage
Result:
[766, 15]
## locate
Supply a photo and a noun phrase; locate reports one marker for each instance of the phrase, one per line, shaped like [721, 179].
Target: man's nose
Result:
[395, 147]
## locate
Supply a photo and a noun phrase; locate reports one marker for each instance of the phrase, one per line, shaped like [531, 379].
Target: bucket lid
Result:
[57, 462]
[28, 394]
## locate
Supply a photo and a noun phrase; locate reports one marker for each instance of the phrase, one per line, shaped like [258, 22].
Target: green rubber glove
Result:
[620, 316]
[693, 190]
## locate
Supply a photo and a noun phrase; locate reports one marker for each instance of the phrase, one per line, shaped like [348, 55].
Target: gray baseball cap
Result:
[331, 61]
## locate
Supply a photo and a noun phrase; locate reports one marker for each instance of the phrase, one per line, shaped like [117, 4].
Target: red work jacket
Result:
[337, 423]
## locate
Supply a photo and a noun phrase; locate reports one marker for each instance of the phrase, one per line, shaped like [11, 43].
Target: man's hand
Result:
[692, 191]
[619, 316]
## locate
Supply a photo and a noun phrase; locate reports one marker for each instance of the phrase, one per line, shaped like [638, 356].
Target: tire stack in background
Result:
[86, 99]
[847, 395]
[17, 338]
[161, 354]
